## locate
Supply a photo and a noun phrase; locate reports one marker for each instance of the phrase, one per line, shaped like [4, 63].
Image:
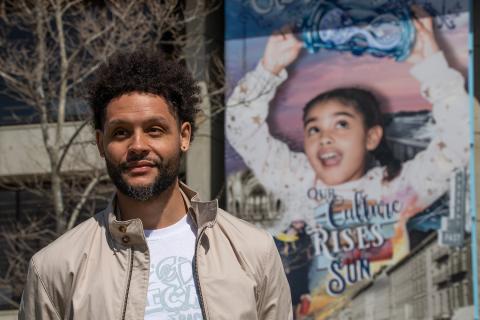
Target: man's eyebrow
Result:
[156, 119]
[115, 122]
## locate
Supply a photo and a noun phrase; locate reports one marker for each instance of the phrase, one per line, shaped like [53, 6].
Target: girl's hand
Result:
[425, 44]
[281, 50]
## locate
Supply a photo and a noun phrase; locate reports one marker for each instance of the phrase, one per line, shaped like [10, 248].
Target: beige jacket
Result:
[100, 269]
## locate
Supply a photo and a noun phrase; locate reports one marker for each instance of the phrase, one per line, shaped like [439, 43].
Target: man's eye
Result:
[155, 130]
[342, 124]
[312, 131]
[118, 133]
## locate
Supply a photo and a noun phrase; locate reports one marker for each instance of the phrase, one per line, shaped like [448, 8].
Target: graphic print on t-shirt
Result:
[171, 290]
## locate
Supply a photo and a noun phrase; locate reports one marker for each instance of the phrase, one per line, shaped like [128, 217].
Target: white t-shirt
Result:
[171, 289]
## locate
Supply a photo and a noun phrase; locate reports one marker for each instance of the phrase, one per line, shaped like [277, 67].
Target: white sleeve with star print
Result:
[277, 167]
[429, 172]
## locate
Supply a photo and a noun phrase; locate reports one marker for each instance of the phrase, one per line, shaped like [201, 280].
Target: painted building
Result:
[433, 282]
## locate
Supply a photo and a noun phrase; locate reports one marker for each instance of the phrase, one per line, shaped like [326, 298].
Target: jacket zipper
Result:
[197, 278]
[130, 269]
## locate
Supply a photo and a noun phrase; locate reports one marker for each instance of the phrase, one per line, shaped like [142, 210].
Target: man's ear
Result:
[185, 135]
[374, 136]
[99, 139]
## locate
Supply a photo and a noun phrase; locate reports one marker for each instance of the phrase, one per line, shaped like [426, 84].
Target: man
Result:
[157, 251]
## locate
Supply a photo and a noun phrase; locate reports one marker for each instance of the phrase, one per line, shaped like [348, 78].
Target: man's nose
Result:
[138, 143]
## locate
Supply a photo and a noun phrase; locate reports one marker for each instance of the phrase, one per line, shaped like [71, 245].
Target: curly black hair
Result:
[145, 72]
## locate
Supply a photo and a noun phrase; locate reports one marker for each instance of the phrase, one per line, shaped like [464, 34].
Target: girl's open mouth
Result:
[329, 158]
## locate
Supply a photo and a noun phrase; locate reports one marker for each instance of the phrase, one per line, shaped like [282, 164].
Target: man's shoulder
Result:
[248, 235]
[69, 246]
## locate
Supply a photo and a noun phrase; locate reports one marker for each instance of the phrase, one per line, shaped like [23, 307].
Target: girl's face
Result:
[337, 142]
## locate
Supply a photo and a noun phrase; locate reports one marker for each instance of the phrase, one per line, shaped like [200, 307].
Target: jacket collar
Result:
[203, 213]
[130, 232]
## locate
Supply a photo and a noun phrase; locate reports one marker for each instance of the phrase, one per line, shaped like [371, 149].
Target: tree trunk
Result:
[58, 202]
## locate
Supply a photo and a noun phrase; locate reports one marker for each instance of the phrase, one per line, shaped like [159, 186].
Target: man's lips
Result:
[329, 158]
[141, 166]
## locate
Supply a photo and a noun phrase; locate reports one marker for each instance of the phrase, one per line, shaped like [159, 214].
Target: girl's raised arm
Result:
[429, 172]
[247, 109]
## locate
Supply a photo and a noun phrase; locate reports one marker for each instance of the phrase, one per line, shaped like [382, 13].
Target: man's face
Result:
[141, 142]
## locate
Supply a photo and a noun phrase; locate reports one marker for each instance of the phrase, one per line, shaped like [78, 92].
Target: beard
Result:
[167, 175]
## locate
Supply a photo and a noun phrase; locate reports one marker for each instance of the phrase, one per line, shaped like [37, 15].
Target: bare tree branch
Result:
[70, 4]
[85, 75]
[69, 144]
[7, 299]
[84, 198]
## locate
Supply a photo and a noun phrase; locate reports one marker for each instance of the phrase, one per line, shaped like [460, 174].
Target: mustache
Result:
[133, 161]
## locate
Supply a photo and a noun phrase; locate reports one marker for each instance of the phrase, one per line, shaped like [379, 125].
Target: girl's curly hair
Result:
[145, 72]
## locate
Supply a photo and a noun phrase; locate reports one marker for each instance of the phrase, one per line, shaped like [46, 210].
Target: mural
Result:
[347, 130]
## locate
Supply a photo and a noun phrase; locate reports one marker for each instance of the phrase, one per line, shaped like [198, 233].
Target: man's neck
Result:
[159, 212]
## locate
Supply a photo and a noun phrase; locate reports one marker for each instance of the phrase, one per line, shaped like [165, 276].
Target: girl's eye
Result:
[342, 124]
[312, 131]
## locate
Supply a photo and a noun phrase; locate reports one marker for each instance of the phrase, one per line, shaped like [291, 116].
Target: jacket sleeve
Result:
[271, 160]
[36, 303]
[429, 172]
[275, 300]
